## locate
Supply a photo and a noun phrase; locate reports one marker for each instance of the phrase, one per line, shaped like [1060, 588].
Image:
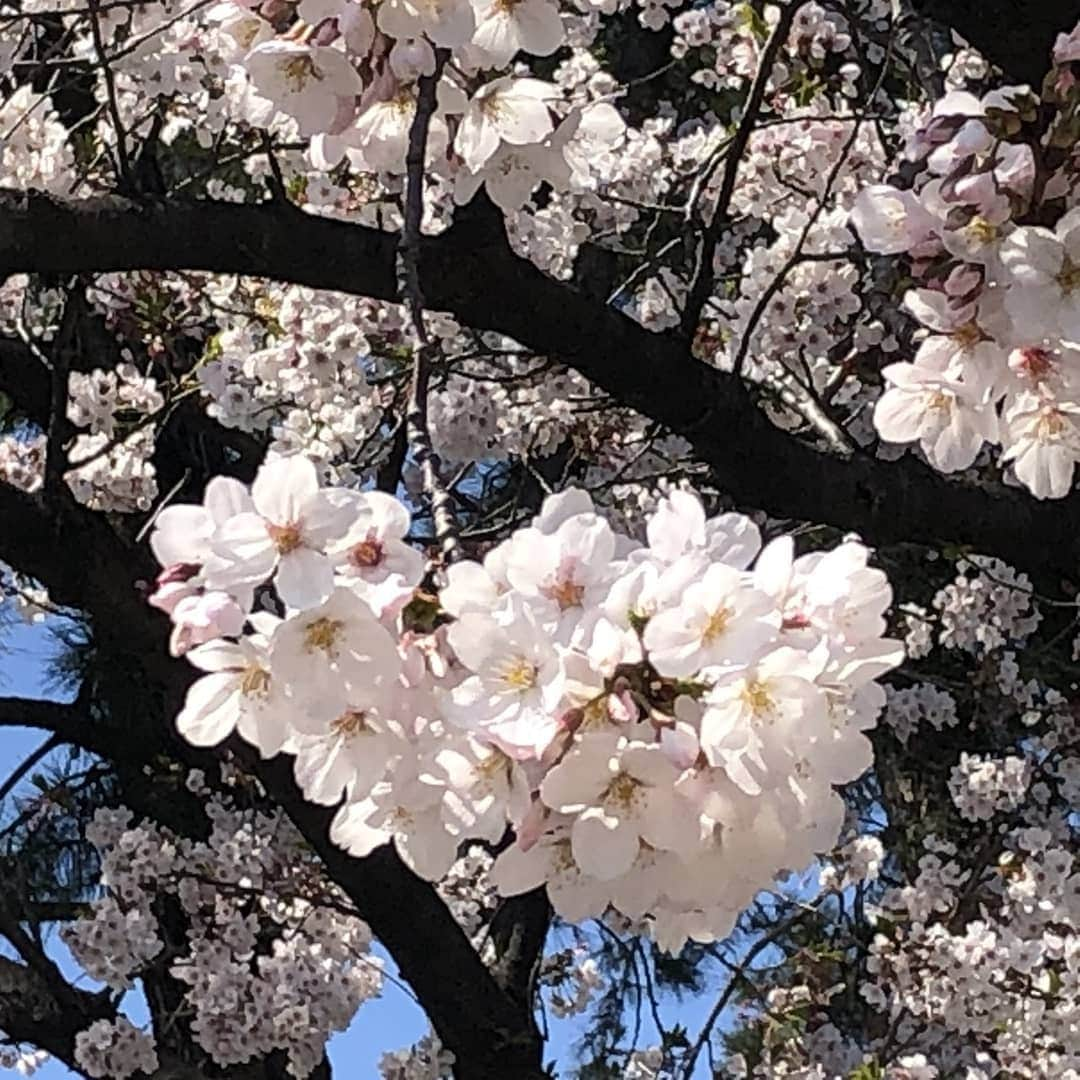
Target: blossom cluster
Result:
[991, 232]
[115, 1049]
[661, 725]
[271, 960]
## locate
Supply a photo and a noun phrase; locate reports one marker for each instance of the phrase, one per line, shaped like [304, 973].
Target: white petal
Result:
[210, 710]
[305, 578]
[516, 871]
[225, 498]
[604, 846]
[427, 849]
[282, 487]
[540, 27]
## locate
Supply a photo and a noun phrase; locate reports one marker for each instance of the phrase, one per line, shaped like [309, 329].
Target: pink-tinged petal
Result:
[474, 638]
[469, 587]
[351, 830]
[681, 745]
[576, 782]
[427, 849]
[540, 27]
[576, 898]
[245, 540]
[649, 765]
[225, 498]
[518, 871]
[899, 415]
[498, 38]
[523, 733]
[671, 823]
[282, 488]
[523, 120]
[454, 25]
[383, 513]
[323, 770]
[264, 726]
[305, 578]
[167, 597]
[181, 535]
[217, 656]
[327, 516]
[605, 847]
[477, 139]
[772, 571]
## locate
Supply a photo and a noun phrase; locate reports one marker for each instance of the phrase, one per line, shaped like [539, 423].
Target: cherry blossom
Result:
[284, 535]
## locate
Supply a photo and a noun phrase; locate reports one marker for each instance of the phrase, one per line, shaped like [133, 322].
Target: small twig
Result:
[17, 774]
[426, 349]
[759, 946]
[59, 428]
[277, 180]
[796, 258]
[110, 92]
[703, 277]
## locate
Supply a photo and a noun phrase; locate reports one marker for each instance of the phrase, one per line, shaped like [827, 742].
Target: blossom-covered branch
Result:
[470, 272]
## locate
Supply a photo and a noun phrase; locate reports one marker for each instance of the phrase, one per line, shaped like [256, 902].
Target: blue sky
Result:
[387, 1023]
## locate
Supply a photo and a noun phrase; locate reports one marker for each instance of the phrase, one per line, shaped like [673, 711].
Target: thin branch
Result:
[426, 348]
[123, 162]
[32, 759]
[703, 278]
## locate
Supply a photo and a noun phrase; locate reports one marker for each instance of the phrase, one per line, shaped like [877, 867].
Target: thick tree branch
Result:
[489, 1031]
[51, 716]
[470, 272]
[29, 1013]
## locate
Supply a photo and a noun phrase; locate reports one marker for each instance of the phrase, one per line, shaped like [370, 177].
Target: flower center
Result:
[1051, 424]
[351, 722]
[622, 791]
[298, 71]
[255, 681]
[716, 625]
[1035, 363]
[1069, 278]
[495, 763]
[285, 538]
[566, 594]
[981, 230]
[518, 673]
[367, 553]
[403, 103]
[939, 400]
[757, 698]
[322, 634]
[967, 336]
[491, 106]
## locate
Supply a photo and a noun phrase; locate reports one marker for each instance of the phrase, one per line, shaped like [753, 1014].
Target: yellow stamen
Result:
[350, 722]
[285, 538]
[322, 634]
[717, 624]
[255, 681]
[519, 673]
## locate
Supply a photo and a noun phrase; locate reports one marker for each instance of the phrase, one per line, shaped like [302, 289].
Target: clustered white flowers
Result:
[268, 964]
[997, 296]
[661, 725]
[115, 1049]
